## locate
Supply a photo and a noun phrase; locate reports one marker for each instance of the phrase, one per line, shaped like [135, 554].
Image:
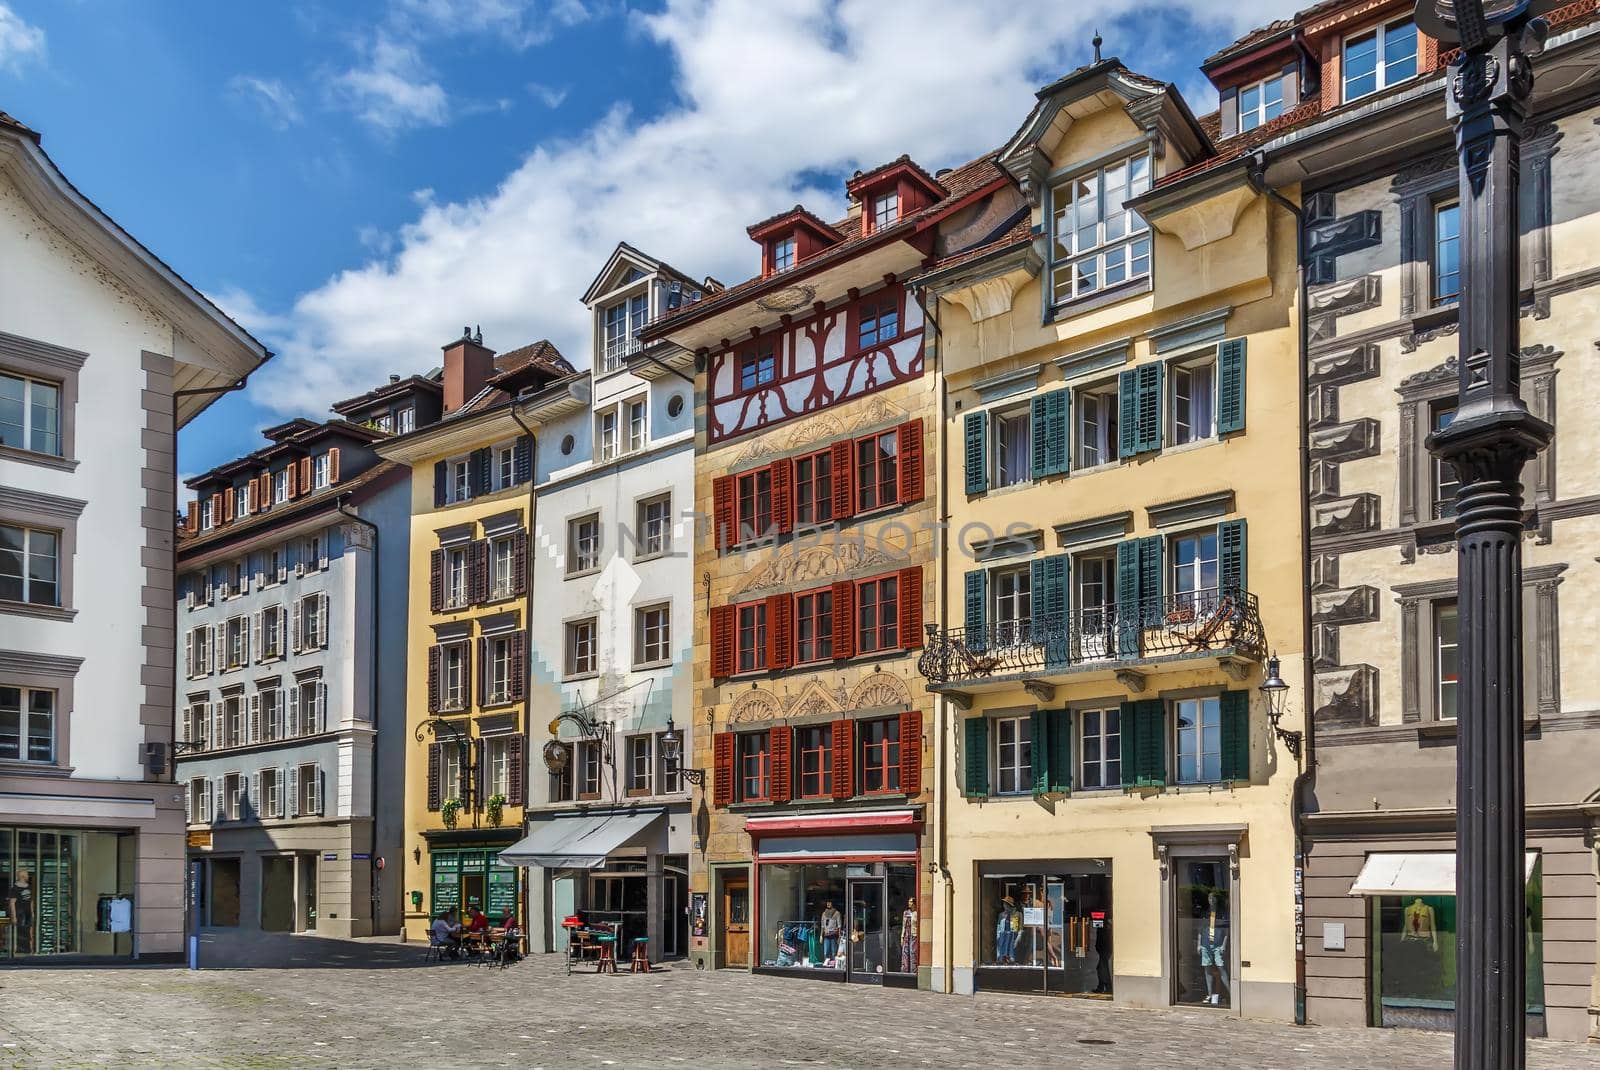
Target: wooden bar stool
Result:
[640, 963]
[608, 957]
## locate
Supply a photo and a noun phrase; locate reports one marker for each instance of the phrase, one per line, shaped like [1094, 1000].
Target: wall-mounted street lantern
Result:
[556, 755]
[1275, 691]
[672, 751]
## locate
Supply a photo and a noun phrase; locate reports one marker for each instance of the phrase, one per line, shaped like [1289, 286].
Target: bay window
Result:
[1097, 243]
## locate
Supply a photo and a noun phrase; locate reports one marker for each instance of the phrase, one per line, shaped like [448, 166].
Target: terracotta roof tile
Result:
[541, 354]
[17, 125]
[1017, 234]
[305, 503]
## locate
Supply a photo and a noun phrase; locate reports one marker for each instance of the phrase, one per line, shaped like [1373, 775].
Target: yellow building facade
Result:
[1121, 554]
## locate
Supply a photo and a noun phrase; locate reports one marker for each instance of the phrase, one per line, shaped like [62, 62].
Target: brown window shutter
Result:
[844, 759]
[292, 478]
[434, 762]
[911, 474]
[306, 486]
[844, 619]
[911, 752]
[722, 639]
[435, 668]
[191, 523]
[333, 465]
[216, 510]
[514, 748]
[480, 571]
[436, 581]
[483, 665]
[722, 769]
[783, 496]
[518, 673]
[780, 631]
[908, 591]
[466, 675]
[722, 512]
[844, 480]
[264, 496]
[780, 749]
[227, 508]
[252, 496]
[519, 563]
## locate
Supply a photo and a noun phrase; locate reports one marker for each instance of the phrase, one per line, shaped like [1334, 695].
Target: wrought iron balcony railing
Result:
[1197, 623]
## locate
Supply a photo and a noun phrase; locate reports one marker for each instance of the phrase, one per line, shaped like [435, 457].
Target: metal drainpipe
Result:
[1255, 172]
[377, 635]
[527, 612]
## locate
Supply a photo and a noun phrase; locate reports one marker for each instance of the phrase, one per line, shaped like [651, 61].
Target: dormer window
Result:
[621, 325]
[1098, 243]
[1383, 56]
[885, 209]
[783, 254]
[206, 519]
[1260, 103]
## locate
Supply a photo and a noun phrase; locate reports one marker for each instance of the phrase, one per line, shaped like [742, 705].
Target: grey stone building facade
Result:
[292, 599]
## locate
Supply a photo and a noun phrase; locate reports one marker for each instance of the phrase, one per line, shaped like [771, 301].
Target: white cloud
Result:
[766, 94]
[519, 23]
[275, 100]
[393, 89]
[20, 42]
[551, 97]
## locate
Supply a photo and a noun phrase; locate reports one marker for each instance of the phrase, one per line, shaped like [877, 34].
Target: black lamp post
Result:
[672, 748]
[1490, 440]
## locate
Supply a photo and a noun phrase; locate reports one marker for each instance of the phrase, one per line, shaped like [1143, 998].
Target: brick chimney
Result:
[467, 366]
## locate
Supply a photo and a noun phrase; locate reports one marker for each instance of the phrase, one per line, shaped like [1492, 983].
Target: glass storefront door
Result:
[1047, 932]
[866, 930]
[1204, 934]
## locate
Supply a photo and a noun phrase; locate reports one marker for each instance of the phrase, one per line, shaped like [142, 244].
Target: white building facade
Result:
[104, 353]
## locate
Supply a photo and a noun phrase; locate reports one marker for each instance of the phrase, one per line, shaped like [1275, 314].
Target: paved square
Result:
[311, 1002]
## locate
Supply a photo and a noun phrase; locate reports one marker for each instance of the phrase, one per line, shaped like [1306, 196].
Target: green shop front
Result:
[468, 875]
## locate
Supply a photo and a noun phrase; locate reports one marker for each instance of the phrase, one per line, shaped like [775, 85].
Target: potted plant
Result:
[495, 805]
[449, 812]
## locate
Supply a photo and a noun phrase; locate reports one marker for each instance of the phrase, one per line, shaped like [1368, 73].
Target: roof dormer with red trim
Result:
[790, 238]
[885, 195]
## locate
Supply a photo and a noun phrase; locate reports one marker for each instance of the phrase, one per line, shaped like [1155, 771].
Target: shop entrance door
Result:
[277, 894]
[1203, 974]
[736, 922]
[308, 893]
[866, 931]
[225, 892]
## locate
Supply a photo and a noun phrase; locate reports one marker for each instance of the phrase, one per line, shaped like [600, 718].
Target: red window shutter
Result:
[519, 659]
[722, 519]
[780, 631]
[911, 474]
[333, 465]
[722, 639]
[434, 757]
[844, 759]
[844, 619]
[783, 496]
[844, 480]
[514, 748]
[292, 477]
[191, 523]
[911, 752]
[306, 486]
[722, 769]
[781, 746]
[908, 589]
[252, 496]
[519, 563]
[478, 577]
[435, 666]
[436, 581]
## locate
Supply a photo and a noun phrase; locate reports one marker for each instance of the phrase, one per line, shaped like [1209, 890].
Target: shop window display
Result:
[1046, 932]
[65, 892]
[1204, 934]
[856, 921]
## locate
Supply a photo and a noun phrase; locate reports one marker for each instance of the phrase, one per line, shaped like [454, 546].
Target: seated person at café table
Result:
[447, 933]
[477, 921]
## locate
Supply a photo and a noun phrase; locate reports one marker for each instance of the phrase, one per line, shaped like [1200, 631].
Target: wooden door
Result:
[736, 922]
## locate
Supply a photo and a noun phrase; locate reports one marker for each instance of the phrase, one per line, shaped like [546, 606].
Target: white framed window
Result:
[641, 764]
[197, 723]
[1198, 724]
[274, 622]
[1194, 566]
[241, 502]
[652, 634]
[232, 797]
[309, 705]
[207, 519]
[655, 525]
[1013, 755]
[272, 713]
[456, 566]
[321, 467]
[1383, 56]
[620, 326]
[30, 565]
[1193, 403]
[497, 758]
[561, 781]
[1100, 743]
[383, 422]
[280, 486]
[405, 420]
[1097, 243]
[313, 622]
[636, 424]
[505, 466]
[605, 434]
[583, 544]
[310, 791]
[1012, 438]
[453, 676]
[669, 771]
[589, 770]
[30, 414]
[271, 802]
[783, 254]
[502, 567]
[27, 724]
[1097, 424]
[237, 638]
[1446, 657]
[233, 726]
[1260, 102]
[885, 209]
[451, 756]
[1094, 580]
[497, 670]
[313, 553]
[1013, 604]
[581, 651]
[272, 570]
[458, 480]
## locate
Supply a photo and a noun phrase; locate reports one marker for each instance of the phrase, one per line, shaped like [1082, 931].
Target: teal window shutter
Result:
[1150, 555]
[1039, 750]
[1149, 406]
[977, 609]
[1049, 593]
[1128, 413]
[1129, 724]
[1235, 735]
[975, 759]
[1050, 427]
[1230, 386]
[1130, 622]
[1151, 717]
[1061, 750]
[1231, 542]
[977, 458]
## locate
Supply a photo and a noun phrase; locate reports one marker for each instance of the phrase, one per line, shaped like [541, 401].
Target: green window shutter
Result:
[1151, 716]
[1048, 586]
[1128, 721]
[1130, 622]
[977, 458]
[1039, 749]
[1061, 750]
[1148, 414]
[1150, 553]
[1049, 418]
[975, 758]
[1128, 413]
[1231, 542]
[1230, 386]
[977, 609]
[1235, 735]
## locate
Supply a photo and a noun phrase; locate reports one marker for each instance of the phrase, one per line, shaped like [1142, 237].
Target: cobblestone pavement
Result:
[311, 1002]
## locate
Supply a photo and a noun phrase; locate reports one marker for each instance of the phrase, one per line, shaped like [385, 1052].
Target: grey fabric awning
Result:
[578, 841]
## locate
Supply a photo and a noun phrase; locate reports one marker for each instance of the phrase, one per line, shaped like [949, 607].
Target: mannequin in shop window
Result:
[1213, 948]
[832, 924]
[1420, 924]
[908, 937]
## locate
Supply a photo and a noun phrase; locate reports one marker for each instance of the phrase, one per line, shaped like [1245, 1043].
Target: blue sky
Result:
[354, 181]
